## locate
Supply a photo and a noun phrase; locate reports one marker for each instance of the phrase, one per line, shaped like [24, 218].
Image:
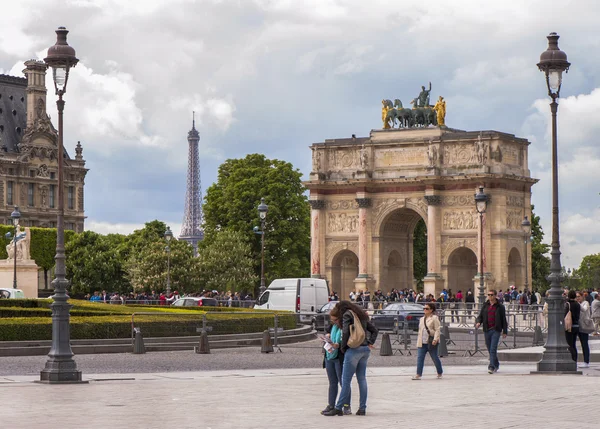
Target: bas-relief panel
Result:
[515, 201]
[401, 156]
[459, 200]
[341, 204]
[459, 220]
[514, 219]
[343, 159]
[511, 154]
[342, 223]
[460, 154]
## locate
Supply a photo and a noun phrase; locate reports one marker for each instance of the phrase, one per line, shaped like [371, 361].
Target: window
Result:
[11, 171]
[71, 198]
[31, 173]
[72, 177]
[9, 193]
[53, 175]
[264, 298]
[70, 225]
[30, 189]
[52, 196]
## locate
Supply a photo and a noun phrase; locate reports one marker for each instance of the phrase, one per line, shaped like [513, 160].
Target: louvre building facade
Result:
[28, 155]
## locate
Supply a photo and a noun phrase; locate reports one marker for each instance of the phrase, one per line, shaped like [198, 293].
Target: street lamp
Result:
[481, 200]
[15, 216]
[168, 237]
[556, 357]
[60, 366]
[526, 227]
[262, 212]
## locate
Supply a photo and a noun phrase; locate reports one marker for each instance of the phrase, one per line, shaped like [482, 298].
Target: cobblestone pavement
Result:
[466, 397]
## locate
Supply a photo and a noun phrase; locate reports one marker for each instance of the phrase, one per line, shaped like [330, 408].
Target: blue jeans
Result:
[433, 352]
[355, 361]
[334, 374]
[492, 338]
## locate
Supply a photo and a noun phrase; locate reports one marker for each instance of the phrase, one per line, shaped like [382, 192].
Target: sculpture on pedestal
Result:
[23, 242]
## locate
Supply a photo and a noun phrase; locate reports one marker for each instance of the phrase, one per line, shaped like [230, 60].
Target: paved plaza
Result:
[467, 397]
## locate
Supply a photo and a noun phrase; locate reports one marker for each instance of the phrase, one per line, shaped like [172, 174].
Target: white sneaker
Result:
[583, 365]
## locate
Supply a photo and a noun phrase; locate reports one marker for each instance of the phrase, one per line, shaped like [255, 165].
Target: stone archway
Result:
[515, 269]
[344, 269]
[462, 268]
[396, 249]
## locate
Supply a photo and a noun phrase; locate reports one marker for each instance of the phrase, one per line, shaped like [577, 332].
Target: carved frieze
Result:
[80, 198]
[511, 154]
[343, 159]
[515, 201]
[342, 223]
[42, 171]
[460, 154]
[514, 219]
[317, 156]
[459, 200]
[401, 156]
[459, 220]
[342, 204]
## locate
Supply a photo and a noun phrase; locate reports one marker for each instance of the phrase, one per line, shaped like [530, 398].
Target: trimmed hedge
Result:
[104, 327]
[6, 312]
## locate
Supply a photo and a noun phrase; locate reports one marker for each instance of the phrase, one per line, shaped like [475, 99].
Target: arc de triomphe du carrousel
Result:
[367, 194]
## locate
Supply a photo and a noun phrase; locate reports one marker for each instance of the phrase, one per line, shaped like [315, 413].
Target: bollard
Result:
[446, 334]
[538, 337]
[443, 348]
[265, 344]
[386, 345]
[203, 348]
[138, 342]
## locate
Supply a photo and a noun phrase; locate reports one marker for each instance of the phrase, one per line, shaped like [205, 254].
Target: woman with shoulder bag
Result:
[574, 308]
[355, 359]
[586, 327]
[428, 340]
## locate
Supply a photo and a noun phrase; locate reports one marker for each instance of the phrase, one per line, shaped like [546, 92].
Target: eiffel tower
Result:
[191, 230]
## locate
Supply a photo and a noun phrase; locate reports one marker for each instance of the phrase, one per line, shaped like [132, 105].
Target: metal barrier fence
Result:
[220, 302]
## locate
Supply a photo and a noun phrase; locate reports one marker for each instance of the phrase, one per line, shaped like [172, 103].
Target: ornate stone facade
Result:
[369, 193]
[29, 156]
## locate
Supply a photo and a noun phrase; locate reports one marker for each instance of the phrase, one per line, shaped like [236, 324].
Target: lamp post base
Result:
[556, 360]
[60, 372]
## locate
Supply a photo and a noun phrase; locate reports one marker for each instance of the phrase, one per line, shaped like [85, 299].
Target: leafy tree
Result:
[95, 262]
[147, 261]
[420, 252]
[589, 271]
[540, 263]
[231, 203]
[226, 263]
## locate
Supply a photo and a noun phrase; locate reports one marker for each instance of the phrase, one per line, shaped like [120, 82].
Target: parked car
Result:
[404, 312]
[192, 301]
[321, 319]
[10, 293]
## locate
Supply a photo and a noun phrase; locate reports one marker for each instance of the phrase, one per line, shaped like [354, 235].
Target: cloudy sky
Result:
[274, 76]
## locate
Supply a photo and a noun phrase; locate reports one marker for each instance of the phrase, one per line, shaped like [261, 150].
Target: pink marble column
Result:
[363, 206]
[433, 202]
[315, 237]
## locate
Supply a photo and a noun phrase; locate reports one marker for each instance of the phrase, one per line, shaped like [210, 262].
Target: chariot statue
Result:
[422, 114]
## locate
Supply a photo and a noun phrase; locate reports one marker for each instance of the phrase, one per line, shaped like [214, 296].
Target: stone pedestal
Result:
[363, 284]
[27, 276]
[433, 284]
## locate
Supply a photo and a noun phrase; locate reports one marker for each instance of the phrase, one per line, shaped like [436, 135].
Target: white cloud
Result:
[122, 228]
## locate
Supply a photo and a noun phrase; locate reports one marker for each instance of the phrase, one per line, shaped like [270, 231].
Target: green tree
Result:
[147, 261]
[540, 263]
[226, 263]
[231, 203]
[95, 262]
[589, 271]
[420, 252]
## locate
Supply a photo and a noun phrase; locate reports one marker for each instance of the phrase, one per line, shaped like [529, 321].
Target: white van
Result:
[297, 295]
[11, 293]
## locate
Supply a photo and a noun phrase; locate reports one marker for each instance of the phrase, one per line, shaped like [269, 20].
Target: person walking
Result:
[586, 327]
[573, 306]
[428, 340]
[333, 361]
[453, 303]
[596, 314]
[470, 302]
[493, 319]
[355, 359]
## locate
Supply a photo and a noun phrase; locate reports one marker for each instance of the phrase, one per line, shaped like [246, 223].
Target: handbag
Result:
[568, 319]
[586, 325]
[357, 332]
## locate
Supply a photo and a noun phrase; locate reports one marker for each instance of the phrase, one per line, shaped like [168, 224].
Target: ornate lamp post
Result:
[15, 216]
[526, 227]
[481, 200]
[60, 366]
[262, 212]
[556, 357]
[168, 237]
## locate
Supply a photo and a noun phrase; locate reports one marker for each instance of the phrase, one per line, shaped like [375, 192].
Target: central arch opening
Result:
[344, 271]
[462, 268]
[402, 250]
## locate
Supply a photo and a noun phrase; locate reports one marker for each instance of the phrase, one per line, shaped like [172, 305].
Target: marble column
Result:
[433, 281]
[363, 239]
[315, 237]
